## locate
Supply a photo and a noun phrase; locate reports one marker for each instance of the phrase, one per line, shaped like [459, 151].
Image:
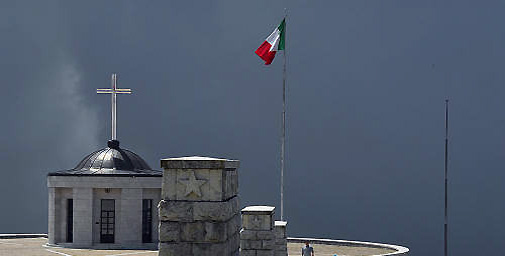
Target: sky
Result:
[366, 87]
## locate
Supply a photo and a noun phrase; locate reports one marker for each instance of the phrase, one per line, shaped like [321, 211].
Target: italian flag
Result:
[273, 43]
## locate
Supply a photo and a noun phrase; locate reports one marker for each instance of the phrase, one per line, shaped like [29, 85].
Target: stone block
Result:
[233, 225]
[193, 185]
[257, 231]
[234, 243]
[215, 232]
[280, 242]
[280, 228]
[268, 244]
[207, 184]
[206, 179]
[175, 211]
[257, 222]
[279, 232]
[204, 205]
[259, 210]
[216, 188]
[168, 187]
[198, 162]
[235, 205]
[258, 217]
[174, 249]
[247, 252]
[192, 231]
[215, 211]
[231, 183]
[248, 234]
[209, 249]
[265, 235]
[265, 253]
[281, 247]
[169, 231]
[280, 253]
[250, 244]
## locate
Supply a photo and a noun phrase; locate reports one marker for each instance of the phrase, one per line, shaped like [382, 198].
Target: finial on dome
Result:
[113, 144]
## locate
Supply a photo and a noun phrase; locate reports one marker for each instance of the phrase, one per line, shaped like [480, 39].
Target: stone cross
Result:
[113, 91]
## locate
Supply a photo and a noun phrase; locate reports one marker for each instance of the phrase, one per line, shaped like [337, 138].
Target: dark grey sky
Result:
[366, 87]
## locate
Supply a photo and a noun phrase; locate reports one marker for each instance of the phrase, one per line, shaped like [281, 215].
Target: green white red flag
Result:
[273, 43]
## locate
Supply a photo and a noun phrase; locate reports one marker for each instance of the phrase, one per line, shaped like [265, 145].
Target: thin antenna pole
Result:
[446, 169]
[283, 139]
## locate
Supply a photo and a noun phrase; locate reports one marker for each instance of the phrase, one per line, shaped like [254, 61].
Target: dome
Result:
[111, 160]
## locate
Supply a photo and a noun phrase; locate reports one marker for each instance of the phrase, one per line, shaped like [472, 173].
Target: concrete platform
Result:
[330, 247]
[36, 246]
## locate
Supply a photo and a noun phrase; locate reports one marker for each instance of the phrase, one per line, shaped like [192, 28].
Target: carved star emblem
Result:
[193, 185]
[256, 221]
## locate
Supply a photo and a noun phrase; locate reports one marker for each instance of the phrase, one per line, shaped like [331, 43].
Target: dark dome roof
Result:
[111, 160]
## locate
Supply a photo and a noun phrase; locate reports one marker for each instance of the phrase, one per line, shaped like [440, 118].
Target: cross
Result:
[113, 91]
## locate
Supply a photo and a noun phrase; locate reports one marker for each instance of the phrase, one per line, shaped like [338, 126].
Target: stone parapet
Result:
[199, 231]
[188, 211]
[281, 242]
[199, 162]
[183, 233]
[258, 217]
[199, 210]
[257, 236]
[228, 247]
[206, 181]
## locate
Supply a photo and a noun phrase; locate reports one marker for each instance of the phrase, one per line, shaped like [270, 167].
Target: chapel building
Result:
[109, 200]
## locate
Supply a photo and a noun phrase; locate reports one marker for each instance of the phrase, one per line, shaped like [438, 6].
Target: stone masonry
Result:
[257, 237]
[199, 210]
[281, 242]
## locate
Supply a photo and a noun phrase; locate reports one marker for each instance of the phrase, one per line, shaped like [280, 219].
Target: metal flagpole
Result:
[283, 139]
[446, 165]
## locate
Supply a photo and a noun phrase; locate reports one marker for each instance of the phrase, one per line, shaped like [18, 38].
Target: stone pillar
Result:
[257, 237]
[199, 207]
[281, 242]
[83, 217]
[130, 224]
[51, 225]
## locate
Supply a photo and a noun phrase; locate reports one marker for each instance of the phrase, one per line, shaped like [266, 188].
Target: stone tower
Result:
[199, 211]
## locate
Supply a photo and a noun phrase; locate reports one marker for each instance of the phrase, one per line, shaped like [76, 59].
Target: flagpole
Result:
[283, 139]
[445, 170]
